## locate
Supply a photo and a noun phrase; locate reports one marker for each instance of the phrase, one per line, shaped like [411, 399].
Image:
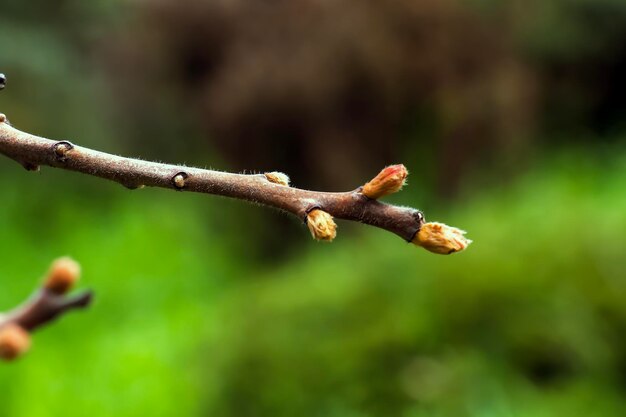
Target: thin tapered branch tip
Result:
[82, 300]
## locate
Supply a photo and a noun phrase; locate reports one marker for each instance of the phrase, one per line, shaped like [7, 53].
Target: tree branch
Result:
[45, 305]
[32, 151]
[270, 189]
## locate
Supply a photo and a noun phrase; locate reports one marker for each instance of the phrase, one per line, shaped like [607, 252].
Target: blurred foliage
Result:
[509, 114]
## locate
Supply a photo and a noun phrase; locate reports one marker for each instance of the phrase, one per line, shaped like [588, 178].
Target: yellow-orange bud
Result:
[390, 180]
[62, 275]
[277, 178]
[321, 225]
[14, 341]
[441, 238]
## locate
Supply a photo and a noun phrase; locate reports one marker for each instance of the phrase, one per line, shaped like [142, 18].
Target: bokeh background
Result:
[510, 115]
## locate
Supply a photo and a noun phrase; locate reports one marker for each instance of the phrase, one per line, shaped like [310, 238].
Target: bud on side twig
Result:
[14, 341]
[440, 238]
[277, 178]
[390, 180]
[63, 274]
[321, 225]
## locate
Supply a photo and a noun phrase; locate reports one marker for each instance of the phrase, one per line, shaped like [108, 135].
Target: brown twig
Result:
[45, 305]
[32, 151]
[317, 209]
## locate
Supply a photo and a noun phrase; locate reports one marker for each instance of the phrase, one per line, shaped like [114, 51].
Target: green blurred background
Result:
[510, 115]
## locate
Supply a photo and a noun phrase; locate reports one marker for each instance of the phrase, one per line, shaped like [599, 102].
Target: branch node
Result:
[132, 186]
[61, 149]
[308, 210]
[179, 180]
[418, 215]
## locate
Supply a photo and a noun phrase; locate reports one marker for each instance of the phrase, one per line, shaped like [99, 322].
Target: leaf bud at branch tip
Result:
[321, 225]
[63, 274]
[277, 178]
[14, 341]
[440, 238]
[389, 181]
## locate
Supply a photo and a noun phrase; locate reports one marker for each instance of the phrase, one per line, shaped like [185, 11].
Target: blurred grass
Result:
[529, 321]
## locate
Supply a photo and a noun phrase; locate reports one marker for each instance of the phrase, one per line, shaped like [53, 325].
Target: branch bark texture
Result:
[33, 151]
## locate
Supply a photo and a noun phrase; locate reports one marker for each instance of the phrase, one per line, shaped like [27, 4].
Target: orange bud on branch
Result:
[14, 341]
[62, 276]
[389, 181]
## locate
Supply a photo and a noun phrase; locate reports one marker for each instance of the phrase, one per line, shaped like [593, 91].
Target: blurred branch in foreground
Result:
[48, 303]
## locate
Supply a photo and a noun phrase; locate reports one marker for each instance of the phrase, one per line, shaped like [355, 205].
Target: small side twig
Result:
[45, 305]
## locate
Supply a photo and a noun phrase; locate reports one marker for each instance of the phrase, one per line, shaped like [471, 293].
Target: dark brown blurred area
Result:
[329, 91]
